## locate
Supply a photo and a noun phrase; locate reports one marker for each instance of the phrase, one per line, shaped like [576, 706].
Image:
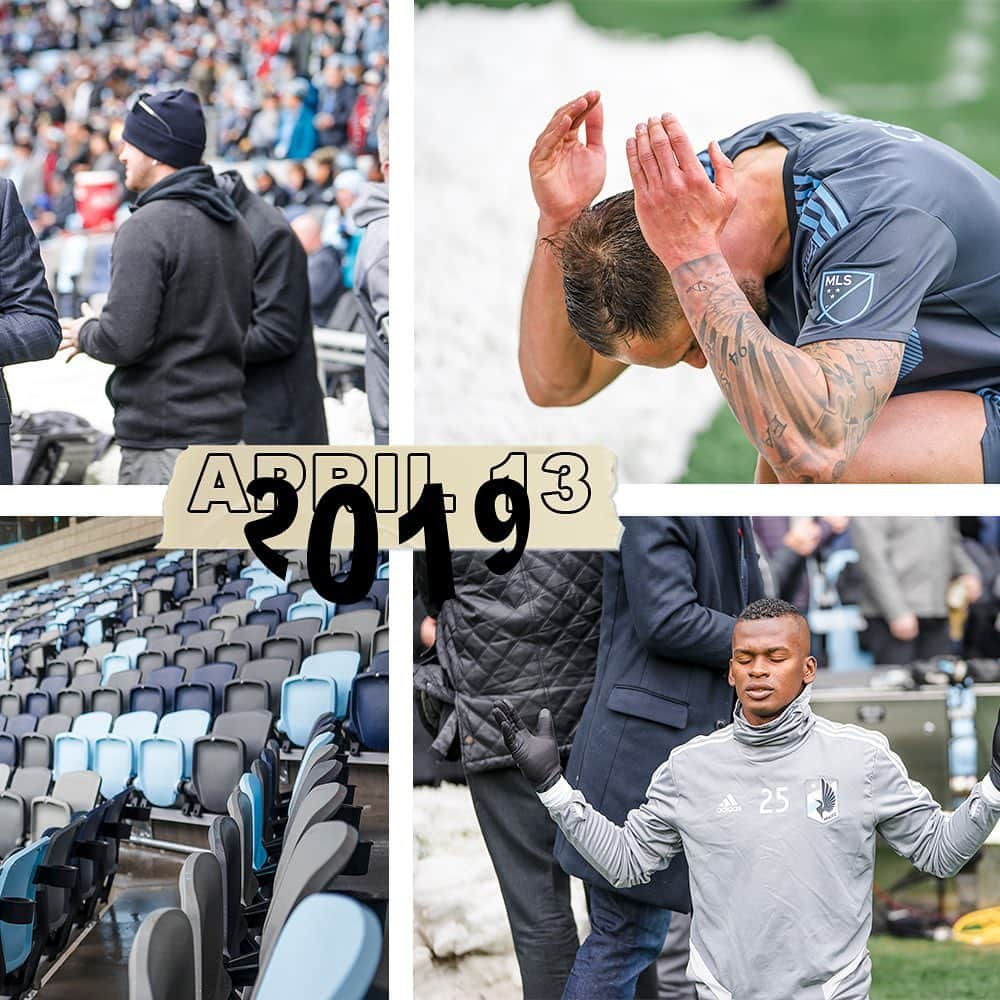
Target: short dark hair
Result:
[615, 287]
[769, 607]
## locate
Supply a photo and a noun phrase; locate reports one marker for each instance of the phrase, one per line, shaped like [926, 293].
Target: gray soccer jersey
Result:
[778, 824]
[894, 237]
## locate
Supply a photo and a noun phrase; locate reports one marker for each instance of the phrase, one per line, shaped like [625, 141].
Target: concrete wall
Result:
[69, 549]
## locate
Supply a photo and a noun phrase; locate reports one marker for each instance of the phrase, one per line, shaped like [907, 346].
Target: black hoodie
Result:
[176, 315]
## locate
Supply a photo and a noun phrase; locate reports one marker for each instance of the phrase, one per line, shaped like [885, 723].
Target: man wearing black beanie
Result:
[180, 299]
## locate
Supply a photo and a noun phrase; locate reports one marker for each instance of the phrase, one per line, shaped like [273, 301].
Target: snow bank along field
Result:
[487, 83]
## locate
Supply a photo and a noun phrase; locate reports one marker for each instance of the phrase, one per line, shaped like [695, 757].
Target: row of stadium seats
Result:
[237, 666]
[257, 912]
[60, 877]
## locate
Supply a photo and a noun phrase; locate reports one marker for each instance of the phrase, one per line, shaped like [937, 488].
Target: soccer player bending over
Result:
[777, 815]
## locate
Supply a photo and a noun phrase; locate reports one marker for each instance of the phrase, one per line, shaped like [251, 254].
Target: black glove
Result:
[536, 755]
[995, 763]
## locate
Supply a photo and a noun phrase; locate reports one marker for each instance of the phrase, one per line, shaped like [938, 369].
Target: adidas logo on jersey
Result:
[728, 805]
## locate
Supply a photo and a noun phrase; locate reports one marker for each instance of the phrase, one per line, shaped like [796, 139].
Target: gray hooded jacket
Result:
[778, 824]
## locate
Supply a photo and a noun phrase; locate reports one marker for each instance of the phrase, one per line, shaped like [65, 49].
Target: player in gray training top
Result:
[840, 276]
[777, 816]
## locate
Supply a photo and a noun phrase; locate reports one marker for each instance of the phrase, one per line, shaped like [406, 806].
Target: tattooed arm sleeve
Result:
[806, 409]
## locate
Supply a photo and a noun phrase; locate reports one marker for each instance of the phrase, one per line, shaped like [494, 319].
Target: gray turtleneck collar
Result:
[782, 734]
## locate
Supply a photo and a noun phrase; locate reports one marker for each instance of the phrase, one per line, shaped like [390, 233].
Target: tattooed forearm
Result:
[808, 409]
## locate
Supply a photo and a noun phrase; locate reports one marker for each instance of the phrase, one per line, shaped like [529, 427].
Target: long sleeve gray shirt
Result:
[778, 824]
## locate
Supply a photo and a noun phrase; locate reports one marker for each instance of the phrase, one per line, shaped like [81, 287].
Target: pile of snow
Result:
[487, 83]
[462, 943]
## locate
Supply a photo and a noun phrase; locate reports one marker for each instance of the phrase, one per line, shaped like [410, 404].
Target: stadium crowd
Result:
[304, 84]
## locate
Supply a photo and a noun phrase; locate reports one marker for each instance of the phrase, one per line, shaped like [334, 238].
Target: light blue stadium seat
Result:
[309, 609]
[312, 961]
[116, 755]
[382, 573]
[74, 751]
[165, 759]
[93, 631]
[261, 592]
[250, 786]
[17, 880]
[132, 648]
[341, 666]
[113, 663]
[302, 703]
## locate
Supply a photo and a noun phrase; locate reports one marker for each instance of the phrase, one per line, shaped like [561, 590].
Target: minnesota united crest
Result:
[822, 801]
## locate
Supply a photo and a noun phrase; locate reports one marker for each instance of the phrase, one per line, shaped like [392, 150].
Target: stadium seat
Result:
[286, 647]
[165, 759]
[260, 592]
[224, 843]
[252, 635]
[73, 751]
[204, 687]
[21, 724]
[156, 693]
[150, 660]
[322, 685]
[75, 700]
[362, 622]
[74, 793]
[162, 962]
[308, 961]
[236, 653]
[222, 756]
[26, 784]
[308, 609]
[113, 697]
[8, 750]
[270, 619]
[116, 755]
[370, 710]
[258, 686]
[277, 602]
[190, 658]
[17, 882]
[42, 701]
[331, 642]
[201, 893]
[36, 747]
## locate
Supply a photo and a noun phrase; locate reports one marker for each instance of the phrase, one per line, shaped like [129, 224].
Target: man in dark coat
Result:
[180, 299]
[671, 595]
[529, 636]
[282, 392]
[29, 324]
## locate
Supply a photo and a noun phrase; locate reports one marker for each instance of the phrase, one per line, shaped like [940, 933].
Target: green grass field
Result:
[890, 59]
[925, 970]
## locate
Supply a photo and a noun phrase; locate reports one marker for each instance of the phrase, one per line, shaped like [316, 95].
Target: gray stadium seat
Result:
[224, 843]
[161, 965]
[201, 892]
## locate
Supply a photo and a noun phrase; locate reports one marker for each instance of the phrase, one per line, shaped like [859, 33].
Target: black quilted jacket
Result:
[529, 636]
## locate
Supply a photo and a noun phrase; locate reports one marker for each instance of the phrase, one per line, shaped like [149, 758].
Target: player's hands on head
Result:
[536, 754]
[567, 174]
[680, 211]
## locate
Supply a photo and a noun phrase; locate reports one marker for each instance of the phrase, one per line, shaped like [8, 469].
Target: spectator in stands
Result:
[270, 190]
[296, 135]
[907, 564]
[325, 286]
[297, 184]
[320, 169]
[263, 131]
[29, 324]
[284, 402]
[371, 286]
[532, 637]
[671, 594]
[336, 102]
[180, 300]
[360, 123]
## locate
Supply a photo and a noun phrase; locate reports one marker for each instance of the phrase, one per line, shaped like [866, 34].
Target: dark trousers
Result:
[932, 640]
[519, 835]
[617, 961]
